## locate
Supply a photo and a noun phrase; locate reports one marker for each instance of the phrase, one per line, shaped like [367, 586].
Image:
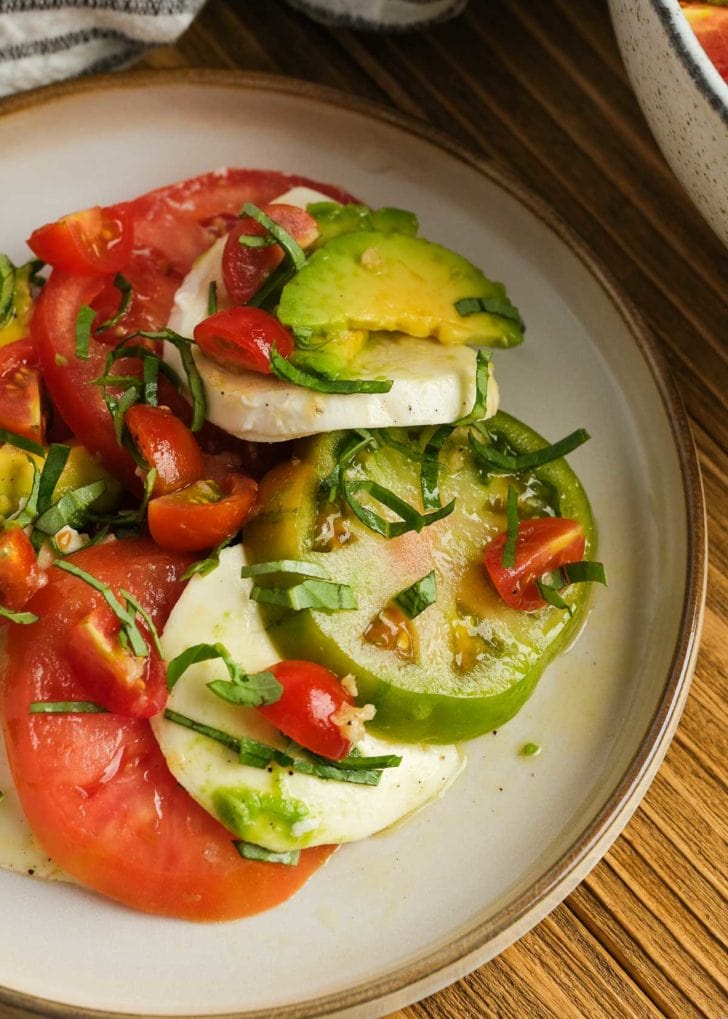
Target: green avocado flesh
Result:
[469, 661]
[334, 219]
[373, 280]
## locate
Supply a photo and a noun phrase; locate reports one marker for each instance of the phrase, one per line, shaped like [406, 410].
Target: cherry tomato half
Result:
[311, 696]
[203, 514]
[94, 242]
[543, 544]
[240, 339]
[119, 680]
[245, 269]
[20, 575]
[21, 409]
[167, 444]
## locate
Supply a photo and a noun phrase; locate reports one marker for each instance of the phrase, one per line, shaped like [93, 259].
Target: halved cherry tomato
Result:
[543, 544]
[93, 242]
[21, 409]
[203, 514]
[113, 675]
[20, 575]
[95, 787]
[167, 444]
[240, 339]
[311, 695]
[244, 268]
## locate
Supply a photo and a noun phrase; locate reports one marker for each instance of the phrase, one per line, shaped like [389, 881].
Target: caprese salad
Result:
[269, 552]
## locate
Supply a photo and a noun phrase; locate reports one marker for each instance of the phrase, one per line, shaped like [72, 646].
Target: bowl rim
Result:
[485, 938]
[692, 56]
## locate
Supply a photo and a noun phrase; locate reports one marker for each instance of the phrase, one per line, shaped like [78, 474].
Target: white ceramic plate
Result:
[402, 914]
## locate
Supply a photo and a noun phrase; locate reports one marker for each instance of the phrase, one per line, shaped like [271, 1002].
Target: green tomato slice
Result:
[467, 662]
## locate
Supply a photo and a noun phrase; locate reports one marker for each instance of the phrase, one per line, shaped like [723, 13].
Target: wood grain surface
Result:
[541, 89]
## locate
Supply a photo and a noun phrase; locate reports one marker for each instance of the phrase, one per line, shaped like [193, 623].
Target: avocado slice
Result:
[388, 281]
[333, 219]
[474, 661]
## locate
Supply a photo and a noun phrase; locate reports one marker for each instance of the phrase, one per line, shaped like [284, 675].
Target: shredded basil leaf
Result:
[28, 513]
[249, 690]
[71, 510]
[140, 611]
[29, 445]
[249, 851]
[290, 246]
[482, 377]
[551, 594]
[129, 518]
[25, 618]
[66, 708]
[127, 399]
[256, 241]
[7, 290]
[419, 596]
[205, 566]
[53, 466]
[284, 566]
[194, 382]
[123, 285]
[584, 572]
[430, 469]
[150, 378]
[212, 297]
[527, 461]
[231, 742]
[322, 382]
[84, 321]
[125, 617]
[509, 549]
[497, 304]
[321, 595]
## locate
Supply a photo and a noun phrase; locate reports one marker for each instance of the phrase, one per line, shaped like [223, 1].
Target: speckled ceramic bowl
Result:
[683, 97]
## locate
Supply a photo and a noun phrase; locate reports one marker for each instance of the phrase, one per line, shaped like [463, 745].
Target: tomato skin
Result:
[96, 789]
[240, 339]
[21, 409]
[245, 269]
[543, 544]
[203, 514]
[166, 444]
[20, 575]
[311, 695]
[92, 242]
[115, 678]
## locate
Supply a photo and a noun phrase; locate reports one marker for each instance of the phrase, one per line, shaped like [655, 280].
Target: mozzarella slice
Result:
[432, 383]
[273, 807]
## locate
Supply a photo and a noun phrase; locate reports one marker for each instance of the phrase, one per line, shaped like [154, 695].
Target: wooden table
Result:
[541, 89]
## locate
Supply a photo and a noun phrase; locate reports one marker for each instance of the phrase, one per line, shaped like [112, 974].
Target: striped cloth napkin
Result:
[43, 41]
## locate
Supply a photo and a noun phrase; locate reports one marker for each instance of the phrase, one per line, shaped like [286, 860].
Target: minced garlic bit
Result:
[349, 684]
[371, 259]
[350, 719]
[69, 540]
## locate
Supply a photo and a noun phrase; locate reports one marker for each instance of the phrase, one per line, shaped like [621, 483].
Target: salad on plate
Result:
[270, 552]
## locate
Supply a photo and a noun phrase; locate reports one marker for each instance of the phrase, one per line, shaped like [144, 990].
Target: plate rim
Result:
[486, 939]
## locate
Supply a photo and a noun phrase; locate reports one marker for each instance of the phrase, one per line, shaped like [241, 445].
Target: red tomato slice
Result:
[20, 575]
[116, 678]
[543, 544]
[203, 514]
[245, 269]
[93, 242]
[96, 789]
[311, 695]
[240, 339]
[69, 379]
[21, 409]
[167, 444]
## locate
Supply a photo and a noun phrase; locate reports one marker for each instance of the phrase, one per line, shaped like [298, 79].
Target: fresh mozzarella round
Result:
[272, 807]
[432, 383]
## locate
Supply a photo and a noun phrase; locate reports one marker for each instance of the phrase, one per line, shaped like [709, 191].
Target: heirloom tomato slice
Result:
[95, 787]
